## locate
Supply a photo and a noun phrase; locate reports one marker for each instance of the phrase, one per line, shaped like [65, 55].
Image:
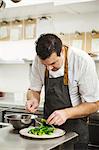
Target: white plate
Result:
[57, 133]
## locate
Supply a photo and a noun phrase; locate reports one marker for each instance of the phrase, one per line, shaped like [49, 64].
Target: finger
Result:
[60, 122]
[54, 120]
[57, 122]
[28, 105]
[31, 105]
[31, 108]
[50, 118]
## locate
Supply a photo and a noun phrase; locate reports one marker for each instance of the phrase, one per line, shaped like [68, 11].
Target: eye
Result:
[53, 63]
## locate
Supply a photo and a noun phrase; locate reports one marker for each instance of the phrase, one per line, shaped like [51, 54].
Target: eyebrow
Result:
[50, 64]
[53, 63]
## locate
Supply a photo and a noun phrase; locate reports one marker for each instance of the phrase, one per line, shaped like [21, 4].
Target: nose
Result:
[49, 67]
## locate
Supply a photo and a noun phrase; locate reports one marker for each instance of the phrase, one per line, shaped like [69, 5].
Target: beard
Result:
[55, 69]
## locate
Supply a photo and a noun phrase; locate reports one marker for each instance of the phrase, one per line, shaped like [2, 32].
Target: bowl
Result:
[20, 121]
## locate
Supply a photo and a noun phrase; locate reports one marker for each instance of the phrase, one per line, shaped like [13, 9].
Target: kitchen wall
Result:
[60, 22]
[17, 50]
[16, 76]
[68, 23]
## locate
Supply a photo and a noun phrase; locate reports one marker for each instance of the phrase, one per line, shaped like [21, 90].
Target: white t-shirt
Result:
[81, 73]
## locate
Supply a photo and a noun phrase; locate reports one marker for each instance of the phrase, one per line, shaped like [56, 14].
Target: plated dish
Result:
[57, 133]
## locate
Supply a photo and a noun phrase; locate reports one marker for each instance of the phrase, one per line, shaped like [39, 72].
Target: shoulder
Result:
[37, 65]
[81, 65]
[80, 56]
[37, 61]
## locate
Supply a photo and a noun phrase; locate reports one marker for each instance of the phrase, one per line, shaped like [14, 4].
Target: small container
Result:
[20, 121]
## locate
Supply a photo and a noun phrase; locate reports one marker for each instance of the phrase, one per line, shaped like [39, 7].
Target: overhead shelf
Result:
[23, 61]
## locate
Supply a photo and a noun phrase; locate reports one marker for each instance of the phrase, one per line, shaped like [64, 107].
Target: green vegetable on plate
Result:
[43, 129]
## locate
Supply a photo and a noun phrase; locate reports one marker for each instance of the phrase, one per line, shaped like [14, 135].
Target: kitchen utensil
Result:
[38, 121]
[42, 122]
[20, 121]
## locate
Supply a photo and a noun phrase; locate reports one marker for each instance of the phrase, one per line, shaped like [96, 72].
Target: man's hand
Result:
[33, 99]
[58, 117]
[32, 105]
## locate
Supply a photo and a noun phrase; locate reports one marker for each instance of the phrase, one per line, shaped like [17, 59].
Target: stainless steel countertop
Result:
[10, 140]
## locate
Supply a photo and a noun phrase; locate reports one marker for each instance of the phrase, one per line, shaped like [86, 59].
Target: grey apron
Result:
[57, 97]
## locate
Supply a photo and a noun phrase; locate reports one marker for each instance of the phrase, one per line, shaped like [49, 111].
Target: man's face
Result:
[54, 62]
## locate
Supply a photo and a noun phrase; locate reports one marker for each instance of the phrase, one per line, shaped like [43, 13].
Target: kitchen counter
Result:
[9, 140]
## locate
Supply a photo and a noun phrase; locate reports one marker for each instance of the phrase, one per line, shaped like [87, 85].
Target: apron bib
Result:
[57, 97]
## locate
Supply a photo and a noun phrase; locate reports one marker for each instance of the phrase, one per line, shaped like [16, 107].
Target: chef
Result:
[71, 86]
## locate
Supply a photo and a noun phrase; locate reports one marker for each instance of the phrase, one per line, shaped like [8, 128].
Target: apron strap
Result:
[46, 73]
[66, 67]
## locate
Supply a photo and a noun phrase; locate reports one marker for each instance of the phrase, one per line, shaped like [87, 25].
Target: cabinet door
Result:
[92, 42]
[29, 28]
[4, 31]
[16, 30]
[64, 37]
[78, 40]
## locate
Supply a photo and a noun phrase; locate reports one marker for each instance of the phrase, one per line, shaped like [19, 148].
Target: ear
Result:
[62, 50]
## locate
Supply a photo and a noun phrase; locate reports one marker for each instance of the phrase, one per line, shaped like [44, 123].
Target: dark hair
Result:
[47, 44]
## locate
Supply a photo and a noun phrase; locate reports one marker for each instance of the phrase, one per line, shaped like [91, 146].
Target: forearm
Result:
[82, 110]
[33, 94]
